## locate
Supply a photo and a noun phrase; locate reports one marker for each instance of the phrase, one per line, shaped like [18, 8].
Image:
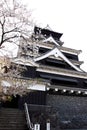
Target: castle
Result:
[55, 85]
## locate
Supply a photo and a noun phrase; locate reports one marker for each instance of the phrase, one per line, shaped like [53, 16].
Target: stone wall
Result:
[70, 111]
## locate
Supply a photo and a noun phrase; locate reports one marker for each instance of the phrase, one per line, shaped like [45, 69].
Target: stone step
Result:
[73, 129]
[14, 129]
[12, 119]
[11, 111]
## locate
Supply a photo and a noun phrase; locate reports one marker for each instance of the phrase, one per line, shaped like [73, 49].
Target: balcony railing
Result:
[59, 71]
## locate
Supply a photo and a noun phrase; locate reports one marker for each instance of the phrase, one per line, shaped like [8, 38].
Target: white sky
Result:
[66, 16]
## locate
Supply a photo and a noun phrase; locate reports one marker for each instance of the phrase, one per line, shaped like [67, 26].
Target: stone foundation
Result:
[70, 111]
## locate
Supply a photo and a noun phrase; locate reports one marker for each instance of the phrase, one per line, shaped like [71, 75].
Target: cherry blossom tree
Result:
[15, 21]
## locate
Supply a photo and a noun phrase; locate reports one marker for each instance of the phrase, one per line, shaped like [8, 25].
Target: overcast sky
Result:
[66, 16]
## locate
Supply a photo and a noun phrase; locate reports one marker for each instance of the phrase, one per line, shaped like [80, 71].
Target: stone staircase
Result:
[12, 119]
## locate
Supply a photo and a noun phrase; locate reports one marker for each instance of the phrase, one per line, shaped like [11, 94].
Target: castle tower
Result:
[58, 81]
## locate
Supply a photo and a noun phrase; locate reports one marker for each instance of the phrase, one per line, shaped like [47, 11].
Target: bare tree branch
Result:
[5, 40]
[12, 30]
[2, 30]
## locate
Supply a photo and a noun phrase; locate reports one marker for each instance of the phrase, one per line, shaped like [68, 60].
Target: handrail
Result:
[0, 105]
[29, 124]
